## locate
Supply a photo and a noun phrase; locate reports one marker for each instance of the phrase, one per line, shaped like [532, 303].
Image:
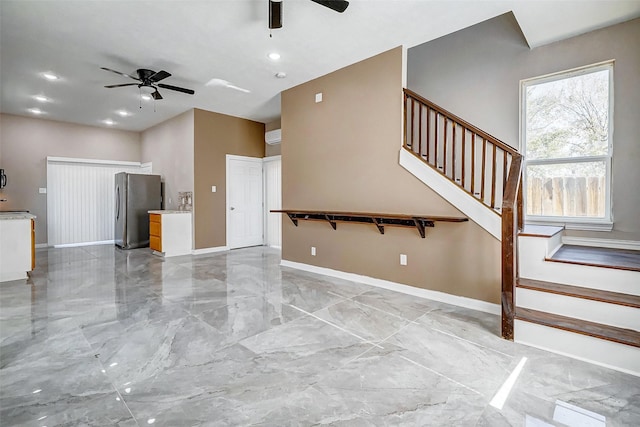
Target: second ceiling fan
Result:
[275, 10]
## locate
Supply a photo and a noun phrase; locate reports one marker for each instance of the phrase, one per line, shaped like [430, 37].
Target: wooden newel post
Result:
[511, 223]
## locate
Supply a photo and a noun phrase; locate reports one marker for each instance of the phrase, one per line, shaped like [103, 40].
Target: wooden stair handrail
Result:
[445, 150]
[462, 122]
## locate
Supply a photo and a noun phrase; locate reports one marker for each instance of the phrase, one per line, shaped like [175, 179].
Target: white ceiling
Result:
[197, 41]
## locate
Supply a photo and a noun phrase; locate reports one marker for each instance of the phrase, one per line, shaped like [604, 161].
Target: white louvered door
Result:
[81, 200]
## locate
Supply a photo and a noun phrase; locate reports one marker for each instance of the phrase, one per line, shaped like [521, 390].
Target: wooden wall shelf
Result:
[380, 220]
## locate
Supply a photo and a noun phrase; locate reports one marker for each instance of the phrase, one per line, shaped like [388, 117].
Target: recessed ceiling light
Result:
[146, 97]
[281, 75]
[35, 111]
[41, 98]
[50, 76]
[274, 56]
[109, 122]
[123, 113]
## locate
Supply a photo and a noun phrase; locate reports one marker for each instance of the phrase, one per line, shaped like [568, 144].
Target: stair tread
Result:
[597, 330]
[581, 292]
[621, 259]
[540, 230]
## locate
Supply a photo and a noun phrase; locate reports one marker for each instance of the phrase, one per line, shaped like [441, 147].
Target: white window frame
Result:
[575, 223]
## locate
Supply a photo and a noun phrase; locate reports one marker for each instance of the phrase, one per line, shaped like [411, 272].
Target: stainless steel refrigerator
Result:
[135, 195]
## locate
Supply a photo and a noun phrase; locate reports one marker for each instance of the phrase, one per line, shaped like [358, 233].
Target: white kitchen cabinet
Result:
[170, 232]
[17, 245]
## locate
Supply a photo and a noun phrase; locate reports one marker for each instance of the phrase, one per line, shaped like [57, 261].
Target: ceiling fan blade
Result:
[156, 95]
[160, 75]
[125, 84]
[179, 89]
[118, 72]
[337, 5]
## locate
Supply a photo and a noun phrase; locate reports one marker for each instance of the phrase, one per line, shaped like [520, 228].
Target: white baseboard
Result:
[73, 245]
[601, 243]
[209, 250]
[471, 303]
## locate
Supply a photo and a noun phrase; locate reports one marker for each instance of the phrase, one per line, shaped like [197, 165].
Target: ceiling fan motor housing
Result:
[144, 75]
[275, 14]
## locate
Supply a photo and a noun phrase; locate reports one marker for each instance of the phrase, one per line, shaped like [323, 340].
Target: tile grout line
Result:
[107, 376]
[336, 326]
[380, 310]
[440, 374]
[470, 342]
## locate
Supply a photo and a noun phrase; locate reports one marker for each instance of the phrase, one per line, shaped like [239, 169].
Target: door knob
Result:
[232, 208]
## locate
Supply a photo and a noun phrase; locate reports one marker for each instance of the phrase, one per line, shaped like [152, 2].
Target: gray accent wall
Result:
[475, 73]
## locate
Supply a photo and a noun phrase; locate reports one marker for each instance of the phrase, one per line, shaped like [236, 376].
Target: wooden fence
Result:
[566, 196]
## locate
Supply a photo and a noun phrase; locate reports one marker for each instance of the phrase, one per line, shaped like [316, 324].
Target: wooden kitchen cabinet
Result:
[170, 232]
[155, 232]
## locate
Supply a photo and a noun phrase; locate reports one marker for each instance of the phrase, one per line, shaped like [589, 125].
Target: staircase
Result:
[575, 307]
[585, 311]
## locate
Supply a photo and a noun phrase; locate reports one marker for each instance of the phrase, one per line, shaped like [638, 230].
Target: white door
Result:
[272, 201]
[244, 201]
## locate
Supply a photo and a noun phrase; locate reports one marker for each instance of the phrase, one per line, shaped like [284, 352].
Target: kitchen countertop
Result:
[16, 215]
[169, 212]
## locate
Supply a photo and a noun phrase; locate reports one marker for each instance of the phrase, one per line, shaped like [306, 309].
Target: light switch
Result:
[403, 259]
[213, 189]
[319, 97]
[42, 190]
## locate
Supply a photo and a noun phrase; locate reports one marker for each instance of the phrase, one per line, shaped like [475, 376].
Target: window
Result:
[566, 125]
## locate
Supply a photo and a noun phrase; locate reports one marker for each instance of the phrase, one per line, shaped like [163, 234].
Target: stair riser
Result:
[533, 250]
[579, 308]
[594, 350]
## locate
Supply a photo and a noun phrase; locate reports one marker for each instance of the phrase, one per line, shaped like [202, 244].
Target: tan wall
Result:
[342, 154]
[25, 144]
[169, 146]
[272, 150]
[476, 72]
[215, 136]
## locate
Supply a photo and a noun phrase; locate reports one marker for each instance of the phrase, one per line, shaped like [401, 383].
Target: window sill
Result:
[568, 224]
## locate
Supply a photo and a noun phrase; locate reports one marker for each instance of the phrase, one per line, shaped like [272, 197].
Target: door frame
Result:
[230, 157]
[265, 191]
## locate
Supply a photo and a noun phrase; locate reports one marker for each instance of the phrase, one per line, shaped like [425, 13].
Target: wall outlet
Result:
[319, 97]
[213, 189]
[313, 251]
[403, 259]
[42, 190]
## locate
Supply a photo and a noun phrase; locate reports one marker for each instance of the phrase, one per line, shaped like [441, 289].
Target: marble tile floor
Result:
[104, 337]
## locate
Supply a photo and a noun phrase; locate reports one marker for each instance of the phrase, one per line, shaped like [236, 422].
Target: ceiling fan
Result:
[149, 79]
[275, 10]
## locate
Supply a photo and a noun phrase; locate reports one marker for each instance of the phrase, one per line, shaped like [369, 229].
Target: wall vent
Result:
[273, 137]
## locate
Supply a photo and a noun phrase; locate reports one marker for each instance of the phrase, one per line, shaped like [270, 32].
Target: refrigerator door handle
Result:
[117, 202]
